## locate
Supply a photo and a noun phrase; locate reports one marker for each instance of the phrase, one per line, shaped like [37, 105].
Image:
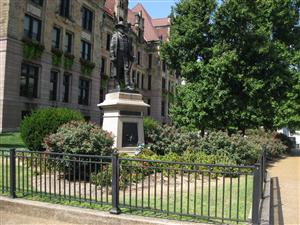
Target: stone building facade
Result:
[54, 53]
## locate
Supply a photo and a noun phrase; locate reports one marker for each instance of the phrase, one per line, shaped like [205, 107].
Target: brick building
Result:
[54, 53]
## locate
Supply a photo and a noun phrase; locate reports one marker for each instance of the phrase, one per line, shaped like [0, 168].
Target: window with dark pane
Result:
[86, 19]
[85, 50]
[68, 43]
[102, 95]
[149, 108]
[64, 8]
[66, 87]
[103, 65]
[149, 82]
[142, 81]
[108, 38]
[139, 58]
[133, 76]
[32, 28]
[83, 97]
[162, 108]
[138, 80]
[38, 2]
[29, 80]
[53, 85]
[55, 37]
[163, 83]
[164, 67]
[150, 61]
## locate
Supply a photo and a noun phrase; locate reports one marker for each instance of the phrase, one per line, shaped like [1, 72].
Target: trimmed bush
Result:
[42, 122]
[274, 146]
[79, 137]
[285, 140]
[150, 126]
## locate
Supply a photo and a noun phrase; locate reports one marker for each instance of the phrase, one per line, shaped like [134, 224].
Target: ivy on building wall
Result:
[86, 67]
[32, 49]
[56, 56]
[68, 61]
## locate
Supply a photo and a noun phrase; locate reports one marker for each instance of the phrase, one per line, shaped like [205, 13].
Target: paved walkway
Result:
[7, 218]
[285, 174]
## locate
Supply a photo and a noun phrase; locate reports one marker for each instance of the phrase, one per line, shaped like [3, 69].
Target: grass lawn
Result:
[11, 140]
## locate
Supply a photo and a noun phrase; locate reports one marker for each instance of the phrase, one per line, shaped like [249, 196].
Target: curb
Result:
[266, 204]
[76, 215]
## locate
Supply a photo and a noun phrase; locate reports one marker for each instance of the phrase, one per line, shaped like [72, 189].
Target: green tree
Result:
[247, 59]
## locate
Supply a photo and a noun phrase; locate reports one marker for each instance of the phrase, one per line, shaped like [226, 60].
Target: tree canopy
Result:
[240, 59]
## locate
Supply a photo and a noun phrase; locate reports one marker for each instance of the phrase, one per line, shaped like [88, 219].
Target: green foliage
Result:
[236, 148]
[42, 122]
[32, 49]
[56, 56]
[79, 137]
[286, 141]
[274, 146]
[150, 126]
[240, 61]
[68, 61]
[167, 139]
[86, 67]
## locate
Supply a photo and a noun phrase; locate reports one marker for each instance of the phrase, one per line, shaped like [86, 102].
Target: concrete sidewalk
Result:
[285, 175]
[21, 211]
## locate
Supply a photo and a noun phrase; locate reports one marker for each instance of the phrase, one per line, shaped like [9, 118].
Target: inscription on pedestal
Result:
[130, 135]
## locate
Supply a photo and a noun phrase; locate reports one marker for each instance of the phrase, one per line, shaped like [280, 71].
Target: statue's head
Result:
[121, 27]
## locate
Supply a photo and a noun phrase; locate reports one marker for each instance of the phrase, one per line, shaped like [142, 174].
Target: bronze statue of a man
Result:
[122, 58]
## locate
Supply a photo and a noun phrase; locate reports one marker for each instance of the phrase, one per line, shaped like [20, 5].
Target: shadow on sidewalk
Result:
[276, 215]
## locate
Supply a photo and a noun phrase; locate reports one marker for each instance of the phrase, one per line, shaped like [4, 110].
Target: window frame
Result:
[83, 100]
[29, 34]
[64, 8]
[53, 93]
[87, 18]
[69, 48]
[108, 41]
[66, 89]
[27, 76]
[37, 2]
[149, 82]
[150, 56]
[55, 44]
[83, 50]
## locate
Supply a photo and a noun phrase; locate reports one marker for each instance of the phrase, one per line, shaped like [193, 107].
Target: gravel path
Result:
[286, 189]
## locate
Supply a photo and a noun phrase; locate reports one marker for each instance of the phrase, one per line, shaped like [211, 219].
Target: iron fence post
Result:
[12, 158]
[115, 184]
[256, 193]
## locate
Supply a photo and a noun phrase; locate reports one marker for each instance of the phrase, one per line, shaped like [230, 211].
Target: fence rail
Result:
[183, 191]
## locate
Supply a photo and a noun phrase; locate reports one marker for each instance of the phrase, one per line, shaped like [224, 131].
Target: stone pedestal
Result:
[123, 117]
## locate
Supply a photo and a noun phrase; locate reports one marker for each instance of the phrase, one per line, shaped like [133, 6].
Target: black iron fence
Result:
[175, 190]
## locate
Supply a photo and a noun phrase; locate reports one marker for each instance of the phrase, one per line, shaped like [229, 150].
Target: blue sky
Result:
[156, 8]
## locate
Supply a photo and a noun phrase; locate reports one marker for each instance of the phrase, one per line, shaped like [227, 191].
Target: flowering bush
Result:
[79, 137]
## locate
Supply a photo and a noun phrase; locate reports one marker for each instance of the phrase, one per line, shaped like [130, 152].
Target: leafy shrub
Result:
[274, 147]
[237, 147]
[167, 139]
[42, 122]
[79, 137]
[285, 140]
[150, 126]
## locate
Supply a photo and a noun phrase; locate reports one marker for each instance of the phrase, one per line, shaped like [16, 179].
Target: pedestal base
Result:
[123, 117]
